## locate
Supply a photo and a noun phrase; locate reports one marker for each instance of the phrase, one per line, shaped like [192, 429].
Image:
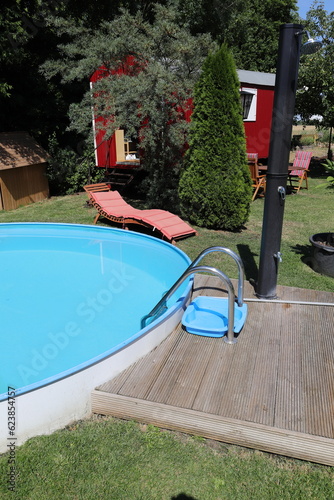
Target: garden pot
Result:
[322, 260]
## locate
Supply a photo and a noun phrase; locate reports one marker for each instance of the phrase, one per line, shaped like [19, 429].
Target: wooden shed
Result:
[22, 170]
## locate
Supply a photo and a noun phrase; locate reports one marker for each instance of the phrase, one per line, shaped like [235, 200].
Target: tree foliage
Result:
[215, 185]
[253, 33]
[316, 78]
[148, 99]
[29, 102]
[249, 27]
[26, 40]
[88, 35]
[13, 36]
[69, 170]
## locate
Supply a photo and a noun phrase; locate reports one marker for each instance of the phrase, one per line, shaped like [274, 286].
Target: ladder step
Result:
[209, 316]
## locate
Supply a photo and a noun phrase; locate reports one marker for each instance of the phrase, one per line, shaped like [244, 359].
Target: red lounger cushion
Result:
[170, 225]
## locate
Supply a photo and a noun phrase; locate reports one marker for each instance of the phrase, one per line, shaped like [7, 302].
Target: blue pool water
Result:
[71, 295]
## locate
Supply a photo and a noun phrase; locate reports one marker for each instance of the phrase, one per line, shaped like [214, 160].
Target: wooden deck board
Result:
[261, 405]
[173, 390]
[248, 434]
[318, 383]
[140, 377]
[289, 399]
[278, 378]
[213, 387]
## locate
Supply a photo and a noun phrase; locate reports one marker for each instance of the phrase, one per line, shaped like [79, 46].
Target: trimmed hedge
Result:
[215, 186]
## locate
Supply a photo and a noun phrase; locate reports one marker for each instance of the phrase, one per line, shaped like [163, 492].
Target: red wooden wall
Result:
[258, 132]
[105, 150]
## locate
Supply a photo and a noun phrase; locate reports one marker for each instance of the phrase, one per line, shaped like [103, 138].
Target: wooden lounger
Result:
[95, 188]
[112, 206]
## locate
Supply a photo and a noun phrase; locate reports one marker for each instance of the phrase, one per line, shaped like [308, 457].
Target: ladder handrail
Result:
[162, 302]
[230, 339]
[241, 276]
[191, 269]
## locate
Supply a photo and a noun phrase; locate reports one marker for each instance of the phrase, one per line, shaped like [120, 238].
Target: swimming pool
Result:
[71, 301]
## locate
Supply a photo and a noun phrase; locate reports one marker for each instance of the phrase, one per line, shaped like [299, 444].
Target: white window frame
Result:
[252, 110]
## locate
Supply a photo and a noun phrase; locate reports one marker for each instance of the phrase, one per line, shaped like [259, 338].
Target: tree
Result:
[253, 34]
[316, 79]
[209, 16]
[26, 39]
[148, 99]
[215, 187]
[249, 27]
[27, 100]
[13, 37]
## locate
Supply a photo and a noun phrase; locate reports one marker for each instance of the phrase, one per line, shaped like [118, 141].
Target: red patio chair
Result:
[299, 170]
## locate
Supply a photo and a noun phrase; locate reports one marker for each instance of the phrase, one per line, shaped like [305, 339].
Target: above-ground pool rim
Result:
[123, 345]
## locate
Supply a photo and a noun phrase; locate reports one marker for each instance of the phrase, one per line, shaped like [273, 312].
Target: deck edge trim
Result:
[248, 434]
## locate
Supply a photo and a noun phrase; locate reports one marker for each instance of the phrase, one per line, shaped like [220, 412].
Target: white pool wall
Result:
[56, 405]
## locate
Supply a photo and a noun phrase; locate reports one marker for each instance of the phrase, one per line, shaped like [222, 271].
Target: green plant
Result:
[329, 167]
[60, 164]
[315, 82]
[84, 172]
[324, 133]
[307, 140]
[215, 187]
[68, 171]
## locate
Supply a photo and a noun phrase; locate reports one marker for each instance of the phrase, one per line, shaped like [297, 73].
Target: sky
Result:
[304, 6]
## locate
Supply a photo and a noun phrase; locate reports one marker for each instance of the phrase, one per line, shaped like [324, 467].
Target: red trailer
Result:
[257, 96]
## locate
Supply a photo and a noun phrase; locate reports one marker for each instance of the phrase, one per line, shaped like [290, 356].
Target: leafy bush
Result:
[325, 135]
[68, 171]
[215, 187]
[307, 140]
[329, 167]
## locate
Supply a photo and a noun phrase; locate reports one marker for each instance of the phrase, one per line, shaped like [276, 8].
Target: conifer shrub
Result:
[215, 185]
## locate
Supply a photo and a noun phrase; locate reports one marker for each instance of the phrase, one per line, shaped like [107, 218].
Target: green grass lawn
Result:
[105, 458]
[309, 212]
[306, 213]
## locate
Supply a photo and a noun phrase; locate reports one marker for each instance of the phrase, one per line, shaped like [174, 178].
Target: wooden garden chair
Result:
[258, 181]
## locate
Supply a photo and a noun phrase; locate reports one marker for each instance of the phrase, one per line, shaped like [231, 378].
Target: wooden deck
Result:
[272, 391]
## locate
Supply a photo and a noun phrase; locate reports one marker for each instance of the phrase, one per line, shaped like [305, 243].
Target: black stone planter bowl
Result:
[322, 260]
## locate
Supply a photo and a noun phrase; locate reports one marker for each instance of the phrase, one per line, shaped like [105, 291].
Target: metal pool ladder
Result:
[161, 306]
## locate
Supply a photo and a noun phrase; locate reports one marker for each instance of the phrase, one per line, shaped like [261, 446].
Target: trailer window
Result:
[248, 102]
